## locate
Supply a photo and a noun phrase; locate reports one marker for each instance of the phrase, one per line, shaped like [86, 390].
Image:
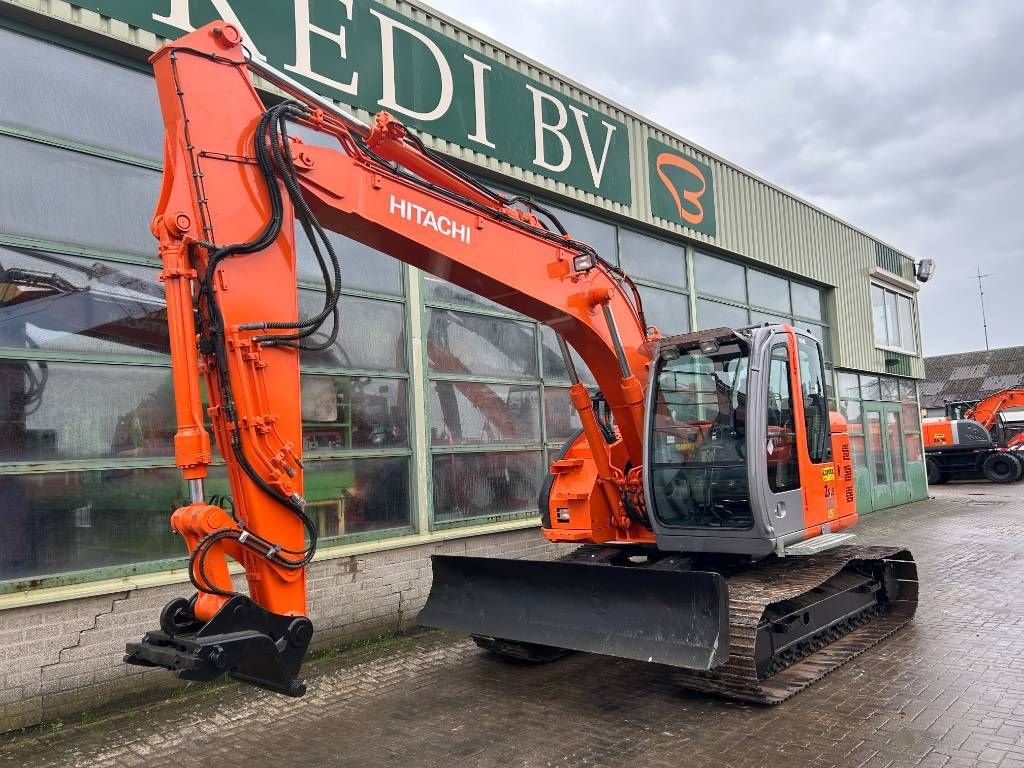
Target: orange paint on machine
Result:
[708, 477]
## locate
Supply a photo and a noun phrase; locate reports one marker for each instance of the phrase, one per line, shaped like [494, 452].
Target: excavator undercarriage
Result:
[758, 633]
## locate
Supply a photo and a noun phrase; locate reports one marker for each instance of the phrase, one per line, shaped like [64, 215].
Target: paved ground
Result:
[947, 691]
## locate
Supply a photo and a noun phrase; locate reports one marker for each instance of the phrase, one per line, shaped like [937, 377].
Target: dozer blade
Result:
[666, 617]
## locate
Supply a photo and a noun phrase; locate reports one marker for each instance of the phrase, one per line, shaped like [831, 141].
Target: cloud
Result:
[905, 119]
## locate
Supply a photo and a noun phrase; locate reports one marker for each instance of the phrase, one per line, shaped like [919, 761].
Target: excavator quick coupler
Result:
[242, 640]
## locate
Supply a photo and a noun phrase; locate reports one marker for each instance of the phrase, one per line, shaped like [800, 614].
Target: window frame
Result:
[896, 294]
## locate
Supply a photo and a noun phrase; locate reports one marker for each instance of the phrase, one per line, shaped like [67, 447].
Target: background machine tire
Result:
[1001, 467]
[935, 474]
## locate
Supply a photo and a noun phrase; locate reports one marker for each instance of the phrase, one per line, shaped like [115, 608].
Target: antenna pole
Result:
[981, 295]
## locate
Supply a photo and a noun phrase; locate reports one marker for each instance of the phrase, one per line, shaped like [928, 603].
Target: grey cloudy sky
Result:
[905, 119]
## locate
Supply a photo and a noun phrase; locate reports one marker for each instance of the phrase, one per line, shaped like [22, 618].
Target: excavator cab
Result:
[739, 442]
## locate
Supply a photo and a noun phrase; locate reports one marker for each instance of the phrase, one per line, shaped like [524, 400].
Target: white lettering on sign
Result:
[561, 128]
[479, 134]
[425, 217]
[179, 17]
[389, 100]
[555, 129]
[596, 171]
[304, 30]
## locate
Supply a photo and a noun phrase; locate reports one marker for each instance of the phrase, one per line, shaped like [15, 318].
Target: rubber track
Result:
[752, 590]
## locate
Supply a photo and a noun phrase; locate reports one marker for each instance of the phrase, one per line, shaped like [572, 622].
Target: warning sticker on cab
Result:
[828, 474]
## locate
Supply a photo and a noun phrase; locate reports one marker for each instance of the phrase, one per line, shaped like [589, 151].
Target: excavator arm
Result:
[236, 183]
[989, 412]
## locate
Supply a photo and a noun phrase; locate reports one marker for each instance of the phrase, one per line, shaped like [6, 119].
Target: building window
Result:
[893, 316]
[659, 270]
[498, 406]
[730, 295]
[853, 389]
[87, 423]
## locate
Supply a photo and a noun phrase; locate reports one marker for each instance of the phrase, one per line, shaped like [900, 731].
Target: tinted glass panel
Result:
[808, 301]
[343, 412]
[68, 94]
[891, 319]
[878, 316]
[56, 194]
[911, 417]
[849, 385]
[470, 413]
[652, 259]
[54, 302]
[719, 278]
[908, 391]
[469, 485]
[869, 388]
[669, 311]
[554, 367]
[912, 445]
[894, 434]
[437, 290]
[590, 231]
[711, 314]
[906, 324]
[781, 445]
[820, 333]
[874, 437]
[764, 317]
[768, 291]
[362, 268]
[476, 345]
[858, 452]
[851, 410]
[372, 334]
[889, 388]
[697, 442]
[815, 395]
[560, 419]
[67, 411]
[352, 496]
[71, 521]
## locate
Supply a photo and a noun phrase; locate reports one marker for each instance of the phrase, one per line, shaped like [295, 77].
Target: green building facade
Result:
[399, 449]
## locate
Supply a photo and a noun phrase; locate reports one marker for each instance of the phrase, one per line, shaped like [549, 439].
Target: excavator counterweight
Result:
[706, 501]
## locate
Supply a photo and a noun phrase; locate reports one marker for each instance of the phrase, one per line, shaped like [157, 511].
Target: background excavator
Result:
[988, 441]
[707, 494]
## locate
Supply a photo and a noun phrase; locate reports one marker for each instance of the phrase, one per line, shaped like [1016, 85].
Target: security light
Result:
[924, 269]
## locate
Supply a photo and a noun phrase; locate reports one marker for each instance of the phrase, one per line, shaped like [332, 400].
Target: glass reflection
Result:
[468, 485]
[54, 302]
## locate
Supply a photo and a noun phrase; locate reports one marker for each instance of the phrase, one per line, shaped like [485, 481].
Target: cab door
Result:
[778, 449]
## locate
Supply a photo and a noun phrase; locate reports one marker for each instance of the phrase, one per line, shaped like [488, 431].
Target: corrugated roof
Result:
[970, 376]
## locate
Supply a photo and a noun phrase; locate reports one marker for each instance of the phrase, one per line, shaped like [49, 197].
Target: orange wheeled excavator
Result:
[986, 442]
[707, 496]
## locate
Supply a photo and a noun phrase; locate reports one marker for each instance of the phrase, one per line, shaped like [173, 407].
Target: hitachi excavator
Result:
[706, 500]
[987, 442]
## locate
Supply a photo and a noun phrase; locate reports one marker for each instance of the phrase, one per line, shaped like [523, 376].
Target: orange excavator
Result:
[987, 442]
[707, 497]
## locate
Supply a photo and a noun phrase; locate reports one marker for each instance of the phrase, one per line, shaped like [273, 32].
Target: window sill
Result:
[897, 350]
[32, 597]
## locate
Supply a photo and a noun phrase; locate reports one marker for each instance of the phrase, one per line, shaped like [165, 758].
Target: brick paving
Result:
[946, 691]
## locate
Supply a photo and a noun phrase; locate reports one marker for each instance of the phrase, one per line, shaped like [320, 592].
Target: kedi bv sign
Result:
[368, 56]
